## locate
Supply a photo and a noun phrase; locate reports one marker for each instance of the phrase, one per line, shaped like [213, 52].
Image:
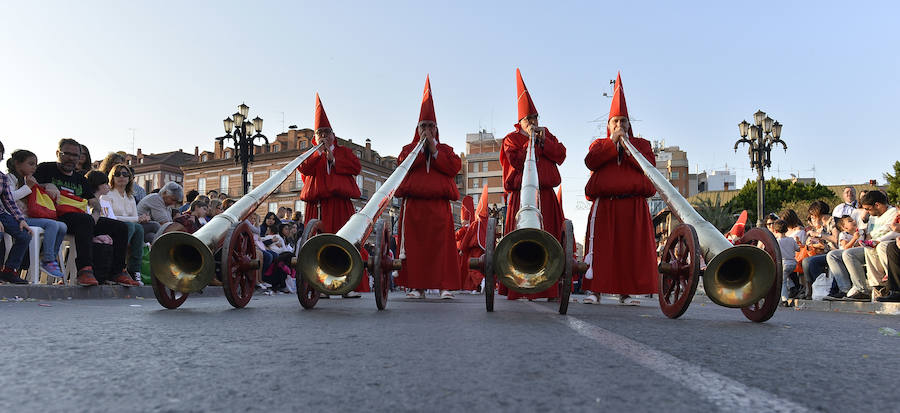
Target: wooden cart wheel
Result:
[765, 308]
[679, 271]
[382, 264]
[490, 282]
[167, 298]
[565, 282]
[307, 295]
[240, 265]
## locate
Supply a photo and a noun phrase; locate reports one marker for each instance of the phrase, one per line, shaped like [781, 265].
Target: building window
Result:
[359, 182]
[223, 183]
[227, 153]
[303, 144]
[273, 207]
[377, 185]
[201, 185]
[674, 174]
[204, 157]
[249, 180]
[475, 182]
[299, 206]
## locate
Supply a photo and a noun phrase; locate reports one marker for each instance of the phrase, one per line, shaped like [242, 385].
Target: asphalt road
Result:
[131, 355]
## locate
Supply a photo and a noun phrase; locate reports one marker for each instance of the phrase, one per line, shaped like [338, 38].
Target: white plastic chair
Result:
[34, 253]
[67, 254]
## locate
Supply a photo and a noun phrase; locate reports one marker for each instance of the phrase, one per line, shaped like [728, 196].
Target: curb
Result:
[58, 292]
[837, 306]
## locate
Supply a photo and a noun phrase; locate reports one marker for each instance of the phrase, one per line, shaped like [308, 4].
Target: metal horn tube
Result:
[331, 262]
[736, 275]
[184, 262]
[529, 259]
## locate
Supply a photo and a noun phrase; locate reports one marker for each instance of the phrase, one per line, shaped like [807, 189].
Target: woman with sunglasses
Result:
[124, 206]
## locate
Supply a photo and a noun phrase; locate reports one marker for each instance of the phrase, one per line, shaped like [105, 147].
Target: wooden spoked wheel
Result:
[565, 282]
[765, 308]
[679, 271]
[490, 281]
[167, 298]
[240, 265]
[307, 295]
[382, 264]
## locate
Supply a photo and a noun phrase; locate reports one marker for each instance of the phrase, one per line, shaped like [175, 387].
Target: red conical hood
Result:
[321, 119]
[426, 112]
[618, 106]
[523, 98]
[738, 228]
[468, 209]
[482, 212]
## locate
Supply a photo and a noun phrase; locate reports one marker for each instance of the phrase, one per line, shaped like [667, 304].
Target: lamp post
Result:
[760, 138]
[245, 132]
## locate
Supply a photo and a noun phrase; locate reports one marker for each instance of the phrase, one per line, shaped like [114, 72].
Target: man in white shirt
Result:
[848, 206]
[883, 215]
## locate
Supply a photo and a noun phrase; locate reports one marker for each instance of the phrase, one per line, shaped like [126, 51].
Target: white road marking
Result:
[726, 393]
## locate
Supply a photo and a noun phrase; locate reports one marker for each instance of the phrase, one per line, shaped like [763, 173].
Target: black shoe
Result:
[860, 296]
[11, 277]
[793, 291]
[838, 296]
[892, 297]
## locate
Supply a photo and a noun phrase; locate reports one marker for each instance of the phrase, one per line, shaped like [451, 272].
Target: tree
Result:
[893, 189]
[779, 192]
[720, 216]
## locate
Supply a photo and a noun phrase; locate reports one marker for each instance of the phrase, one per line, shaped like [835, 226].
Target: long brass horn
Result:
[529, 259]
[184, 262]
[331, 262]
[736, 275]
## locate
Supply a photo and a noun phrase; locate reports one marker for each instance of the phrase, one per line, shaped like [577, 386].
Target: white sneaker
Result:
[446, 295]
[591, 299]
[415, 295]
[137, 277]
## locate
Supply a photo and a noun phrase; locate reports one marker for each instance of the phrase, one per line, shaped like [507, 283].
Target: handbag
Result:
[68, 202]
[39, 204]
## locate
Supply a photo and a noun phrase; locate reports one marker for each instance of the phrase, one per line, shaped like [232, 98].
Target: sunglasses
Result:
[70, 154]
[123, 174]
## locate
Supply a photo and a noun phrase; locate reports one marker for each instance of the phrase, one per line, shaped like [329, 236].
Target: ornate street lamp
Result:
[244, 134]
[760, 138]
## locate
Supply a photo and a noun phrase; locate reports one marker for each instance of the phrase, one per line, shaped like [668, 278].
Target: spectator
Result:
[12, 222]
[21, 165]
[227, 204]
[135, 239]
[112, 159]
[789, 247]
[848, 206]
[795, 226]
[212, 194]
[267, 256]
[223, 196]
[846, 264]
[161, 205]
[282, 213]
[124, 207]
[270, 220]
[287, 215]
[61, 175]
[882, 216]
[279, 269]
[190, 196]
[215, 208]
[190, 222]
[84, 161]
[893, 268]
[297, 217]
[821, 238]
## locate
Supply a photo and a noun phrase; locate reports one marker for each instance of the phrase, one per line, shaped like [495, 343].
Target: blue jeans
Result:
[813, 266]
[20, 241]
[838, 269]
[54, 232]
[135, 246]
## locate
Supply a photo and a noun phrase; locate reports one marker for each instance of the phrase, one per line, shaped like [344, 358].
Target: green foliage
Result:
[778, 193]
[893, 189]
[721, 216]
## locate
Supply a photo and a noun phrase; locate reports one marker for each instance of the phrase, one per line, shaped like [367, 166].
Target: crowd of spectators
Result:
[112, 221]
[852, 249]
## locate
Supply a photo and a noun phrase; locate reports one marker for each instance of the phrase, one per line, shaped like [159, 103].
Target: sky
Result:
[168, 72]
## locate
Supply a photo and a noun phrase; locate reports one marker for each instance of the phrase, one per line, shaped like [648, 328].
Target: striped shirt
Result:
[6, 199]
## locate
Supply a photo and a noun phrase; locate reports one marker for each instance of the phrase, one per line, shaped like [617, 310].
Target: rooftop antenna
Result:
[132, 138]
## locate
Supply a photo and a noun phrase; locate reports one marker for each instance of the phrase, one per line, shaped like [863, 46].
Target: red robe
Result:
[427, 242]
[547, 156]
[623, 245]
[328, 189]
[470, 243]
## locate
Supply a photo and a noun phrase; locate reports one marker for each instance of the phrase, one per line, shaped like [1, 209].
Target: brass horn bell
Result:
[330, 264]
[528, 260]
[739, 276]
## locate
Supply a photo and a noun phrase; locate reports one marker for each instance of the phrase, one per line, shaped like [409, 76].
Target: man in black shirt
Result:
[61, 175]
